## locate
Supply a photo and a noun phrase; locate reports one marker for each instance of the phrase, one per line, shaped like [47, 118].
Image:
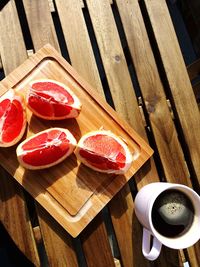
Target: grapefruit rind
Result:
[12, 96]
[75, 106]
[128, 154]
[21, 153]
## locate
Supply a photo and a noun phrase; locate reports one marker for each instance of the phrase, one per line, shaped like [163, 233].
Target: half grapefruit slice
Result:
[103, 151]
[46, 148]
[52, 100]
[12, 118]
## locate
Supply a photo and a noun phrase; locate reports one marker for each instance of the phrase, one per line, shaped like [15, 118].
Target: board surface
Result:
[71, 192]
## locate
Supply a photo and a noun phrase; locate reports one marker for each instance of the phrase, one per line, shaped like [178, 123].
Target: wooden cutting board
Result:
[71, 192]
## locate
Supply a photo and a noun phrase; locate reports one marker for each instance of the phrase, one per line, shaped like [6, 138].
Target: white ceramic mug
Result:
[144, 202]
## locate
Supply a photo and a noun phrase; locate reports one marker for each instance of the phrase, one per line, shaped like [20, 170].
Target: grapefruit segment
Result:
[103, 151]
[46, 148]
[12, 118]
[52, 100]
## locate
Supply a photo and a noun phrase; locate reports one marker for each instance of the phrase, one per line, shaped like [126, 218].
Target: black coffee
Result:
[172, 213]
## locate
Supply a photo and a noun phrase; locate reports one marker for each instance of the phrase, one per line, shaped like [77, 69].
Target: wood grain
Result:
[126, 105]
[162, 125]
[176, 73]
[114, 62]
[78, 41]
[12, 47]
[193, 255]
[40, 23]
[82, 59]
[117, 73]
[54, 244]
[79, 47]
[14, 215]
[71, 180]
[51, 6]
[124, 215]
[57, 241]
[94, 256]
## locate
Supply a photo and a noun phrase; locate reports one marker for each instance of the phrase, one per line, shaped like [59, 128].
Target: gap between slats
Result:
[152, 117]
[184, 115]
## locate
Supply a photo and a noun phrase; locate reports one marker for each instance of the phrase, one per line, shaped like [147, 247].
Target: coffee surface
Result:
[172, 213]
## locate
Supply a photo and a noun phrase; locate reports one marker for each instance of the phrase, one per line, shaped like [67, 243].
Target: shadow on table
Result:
[10, 255]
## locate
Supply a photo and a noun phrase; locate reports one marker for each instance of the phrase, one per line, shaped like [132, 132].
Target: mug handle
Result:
[153, 252]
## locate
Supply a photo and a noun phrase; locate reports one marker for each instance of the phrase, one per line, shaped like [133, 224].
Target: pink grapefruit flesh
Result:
[105, 152]
[12, 118]
[46, 148]
[52, 100]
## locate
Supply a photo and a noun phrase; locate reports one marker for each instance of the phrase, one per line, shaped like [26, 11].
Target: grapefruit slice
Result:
[46, 148]
[52, 100]
[103, 151]
[12, 118]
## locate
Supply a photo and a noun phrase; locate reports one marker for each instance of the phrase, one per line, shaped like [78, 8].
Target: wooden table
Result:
[129, 52]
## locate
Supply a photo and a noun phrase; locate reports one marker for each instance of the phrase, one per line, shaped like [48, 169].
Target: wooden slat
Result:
[126, 104]
[122, 221]
[114, 62]
[193, 254]
[176, 73]
[117, 263]
[52, 240]
[51, 6]
[180, 86]
[13, 53]
[57, 241]
[97, 251]
[79, 47]
[82, 3]
[40, 23]
[162, 125]
[78, 42]
[37, 234]
[90, 76]
[116, 69]
[15, 217]
[14, 213]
